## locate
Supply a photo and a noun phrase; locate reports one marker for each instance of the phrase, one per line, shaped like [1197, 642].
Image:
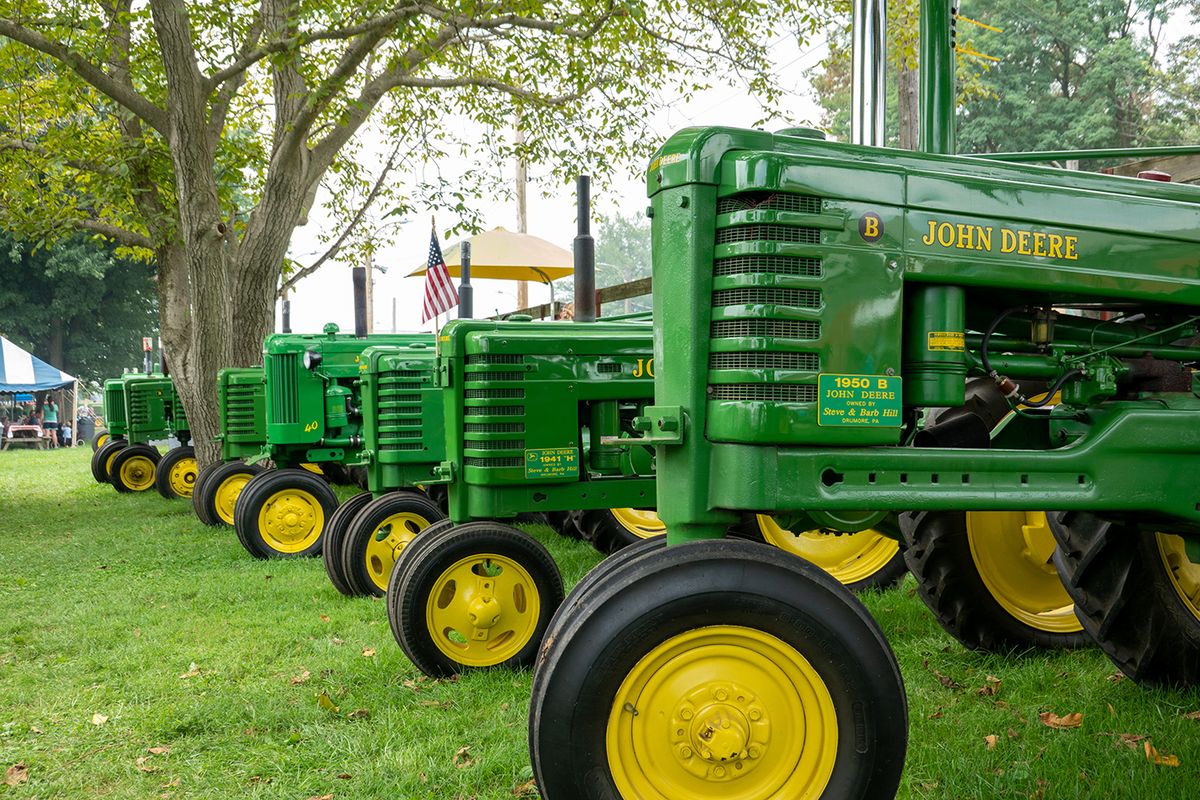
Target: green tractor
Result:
[861, 287]
[539, 420]
[241, 396]
[143, 408]
[404, 442]
[313, 421]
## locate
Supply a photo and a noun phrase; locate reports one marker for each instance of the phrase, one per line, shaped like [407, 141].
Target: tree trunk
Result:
[907, 106]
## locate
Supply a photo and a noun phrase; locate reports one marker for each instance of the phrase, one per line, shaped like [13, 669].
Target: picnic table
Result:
[27, 436]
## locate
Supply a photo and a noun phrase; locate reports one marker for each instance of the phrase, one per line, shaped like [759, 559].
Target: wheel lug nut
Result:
[755, 714]
[719, 772]
[754, 752]
[721, 694]
[685, 752]
[686, 713]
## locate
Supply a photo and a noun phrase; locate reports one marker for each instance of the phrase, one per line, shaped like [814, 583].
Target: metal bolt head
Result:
[686, 713]
[721, 694]
[754, 752]
[755, 714]
[685, 752]
[893, 264]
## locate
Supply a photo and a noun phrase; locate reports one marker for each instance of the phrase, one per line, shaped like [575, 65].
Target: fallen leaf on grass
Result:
[159, 750]
[1192, 715]
[462, 757]
[16, 774]
[99, 719]
[368, 652]
[326, 703]
[322, 796]
[1130, 740]
[324, 618]
[144, 765]
[944, 680]
[435, 703]
[1116, 677]
[1159, 759]
[1012, 734]
[301, 678]
[174, 783]
[1052, 720]
[526, 789]
[991, 739]
[345, 776]
[259, 779]
[359, 713]
[991, 686]
[193, 671]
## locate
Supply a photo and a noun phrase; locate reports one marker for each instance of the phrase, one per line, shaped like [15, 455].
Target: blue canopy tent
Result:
[22, 373]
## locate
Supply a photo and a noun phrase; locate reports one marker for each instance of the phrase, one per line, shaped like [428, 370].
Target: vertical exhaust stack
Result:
[466, 292]
[869, 80]
[937, 76]
[585, 253]
[287, 316]
[360, 302]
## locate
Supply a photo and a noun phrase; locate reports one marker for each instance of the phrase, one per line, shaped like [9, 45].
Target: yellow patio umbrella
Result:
[500, 254]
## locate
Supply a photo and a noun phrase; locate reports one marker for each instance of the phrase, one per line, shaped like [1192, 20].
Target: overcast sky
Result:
[327, 295]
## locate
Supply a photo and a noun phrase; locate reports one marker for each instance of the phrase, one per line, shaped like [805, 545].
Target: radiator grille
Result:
[241, 418]
[497, 376]
[490, 358]
[806, 362]
[399, 419]
[494, 411]
[766, 328]
[773, 201]
[608, 367]
[285, 395]
[775, 265]
[769, 233]
[494, 394]
[114, 406]
[496, 444]
[772, 392]
[494, 427]
[796, 298]
[515, 461]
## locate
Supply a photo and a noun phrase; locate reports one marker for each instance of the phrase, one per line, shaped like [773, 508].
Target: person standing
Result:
[50, 421]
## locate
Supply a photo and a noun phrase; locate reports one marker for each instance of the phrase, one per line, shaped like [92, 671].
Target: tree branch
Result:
[24, 145]
[249, 58]
[117, 234]
[153, 116]
[349, 229]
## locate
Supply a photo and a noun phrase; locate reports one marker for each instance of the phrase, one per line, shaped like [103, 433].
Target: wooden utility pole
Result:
[522, 217]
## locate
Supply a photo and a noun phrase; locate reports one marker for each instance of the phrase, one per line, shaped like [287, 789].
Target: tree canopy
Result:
[1069, 74]
[201, 132]
[77, 305]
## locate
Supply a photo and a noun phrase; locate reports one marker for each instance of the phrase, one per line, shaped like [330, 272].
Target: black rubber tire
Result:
[421, 564]
[336, 473]
[938, 554]
[886, 577]
[100, 458]
[358, 477]
[259, 491]
[563, 523]
[335, 530]
[1126, 599]
[637, 603]
[198, 492]
[162, 475]
[96, 443]
[362, 575]
[204, 497]
[600, 529]
[125, 454]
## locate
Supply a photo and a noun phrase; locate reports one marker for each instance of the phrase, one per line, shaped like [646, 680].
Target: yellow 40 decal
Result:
[312, 426]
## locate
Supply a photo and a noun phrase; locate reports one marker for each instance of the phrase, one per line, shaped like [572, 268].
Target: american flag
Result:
[440, 294]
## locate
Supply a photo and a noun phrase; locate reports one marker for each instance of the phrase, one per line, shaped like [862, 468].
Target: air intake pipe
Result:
[869, 81]
[360, 301]
[585, 253]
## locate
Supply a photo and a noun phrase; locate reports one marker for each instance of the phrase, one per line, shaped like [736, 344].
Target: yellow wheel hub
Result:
[1184, 573]
[388, 541]
[849, 557]
[108, 462]
[722, 712]
[137, 473]
[1012, 551]
[182, 476]
[483, 610]
[641, 523]
[291, 521]
[226, 495]
[101, 440]
[315, 469]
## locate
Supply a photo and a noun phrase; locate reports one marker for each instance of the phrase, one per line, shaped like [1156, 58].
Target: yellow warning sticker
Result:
[947, 340]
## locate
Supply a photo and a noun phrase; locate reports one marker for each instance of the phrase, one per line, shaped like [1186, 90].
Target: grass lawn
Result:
[125, 611]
